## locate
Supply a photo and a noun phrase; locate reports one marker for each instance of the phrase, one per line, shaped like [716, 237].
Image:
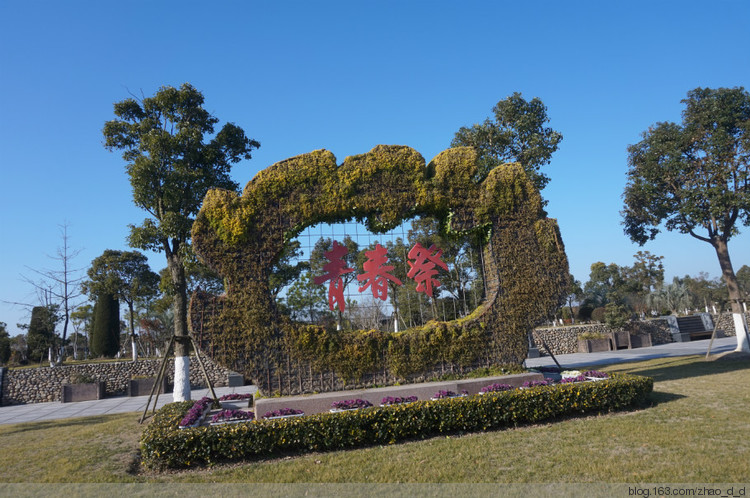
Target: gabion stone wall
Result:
[564, 340]
[37, 385]
[726, 322]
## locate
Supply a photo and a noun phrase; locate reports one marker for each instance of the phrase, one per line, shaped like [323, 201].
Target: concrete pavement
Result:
[577, 360]
[37, 412]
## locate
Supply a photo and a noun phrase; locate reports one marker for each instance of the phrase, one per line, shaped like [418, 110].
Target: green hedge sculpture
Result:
[241, 236]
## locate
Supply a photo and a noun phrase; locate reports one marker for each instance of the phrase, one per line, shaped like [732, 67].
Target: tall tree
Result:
[606, 285]
[288, 268]
[4, 344]
[694, 178]
[41, 333]
[81, 319]
[644, 277]
[743, 280]
[172, 164]
[518, 134]
[307, 301]
[127, 276]
[60, 286]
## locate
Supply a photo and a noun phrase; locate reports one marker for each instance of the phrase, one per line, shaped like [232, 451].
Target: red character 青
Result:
[334, 269]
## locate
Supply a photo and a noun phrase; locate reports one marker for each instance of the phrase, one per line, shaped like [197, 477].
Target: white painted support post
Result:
[181, 390]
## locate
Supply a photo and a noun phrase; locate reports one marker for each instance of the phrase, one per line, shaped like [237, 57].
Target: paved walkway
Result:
[721, 345]
[37, 412]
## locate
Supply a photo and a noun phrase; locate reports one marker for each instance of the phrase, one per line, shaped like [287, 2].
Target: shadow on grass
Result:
[682, 367]
[660, 397]
[55, 424]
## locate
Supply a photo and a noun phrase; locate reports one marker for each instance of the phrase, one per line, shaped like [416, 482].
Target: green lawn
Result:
[695, 431]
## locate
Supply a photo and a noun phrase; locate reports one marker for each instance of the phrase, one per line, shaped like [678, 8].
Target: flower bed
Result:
[163, 445]
[349, 404]
[397, 400]
[236, 397]
[196, 413]
[568, 380]
[442, 394]
[595, 374]
[232, 416]
[283, 413]
[495, 388]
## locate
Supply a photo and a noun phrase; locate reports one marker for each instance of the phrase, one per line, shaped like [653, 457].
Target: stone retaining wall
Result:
[36, 385]
[2, 383]
[564, 340]
[726, 323]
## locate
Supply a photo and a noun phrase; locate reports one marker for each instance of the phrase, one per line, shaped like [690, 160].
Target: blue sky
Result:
[346, 76]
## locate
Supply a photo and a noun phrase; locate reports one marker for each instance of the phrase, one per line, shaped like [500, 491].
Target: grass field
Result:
[696, 430]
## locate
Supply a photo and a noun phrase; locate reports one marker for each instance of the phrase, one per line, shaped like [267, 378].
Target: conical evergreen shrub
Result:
[41, 334]
[105, 331]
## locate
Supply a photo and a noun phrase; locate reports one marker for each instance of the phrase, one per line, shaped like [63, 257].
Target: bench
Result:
[692, 328]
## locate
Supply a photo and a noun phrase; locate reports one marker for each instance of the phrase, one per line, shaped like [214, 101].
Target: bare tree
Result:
[61, 285]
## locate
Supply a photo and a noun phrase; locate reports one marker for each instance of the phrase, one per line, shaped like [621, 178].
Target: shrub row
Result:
[163, 445]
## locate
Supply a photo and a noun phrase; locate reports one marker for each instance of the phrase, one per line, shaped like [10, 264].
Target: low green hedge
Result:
[164, 445]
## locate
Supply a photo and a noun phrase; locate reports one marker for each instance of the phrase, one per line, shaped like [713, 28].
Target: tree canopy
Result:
[125, 275]
[517, 134]
[693, 177]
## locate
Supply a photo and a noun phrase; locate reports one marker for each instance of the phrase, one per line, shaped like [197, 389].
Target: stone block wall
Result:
[564, 340]
[36, 385]
[725, 323]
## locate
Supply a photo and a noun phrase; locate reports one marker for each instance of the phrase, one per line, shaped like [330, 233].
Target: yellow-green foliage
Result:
[242, 236]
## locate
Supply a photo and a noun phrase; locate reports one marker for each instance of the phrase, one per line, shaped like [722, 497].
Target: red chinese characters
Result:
[423, 268]
[376, 273]
[335, 268]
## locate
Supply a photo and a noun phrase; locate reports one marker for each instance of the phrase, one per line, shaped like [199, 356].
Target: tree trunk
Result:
[132, 331]
[727, 272]
[181, 349]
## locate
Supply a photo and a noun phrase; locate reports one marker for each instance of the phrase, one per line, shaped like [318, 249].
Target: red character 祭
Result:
[376, 272]
[334, 270]
[423, 268]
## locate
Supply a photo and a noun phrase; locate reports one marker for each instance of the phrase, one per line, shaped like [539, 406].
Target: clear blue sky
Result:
[346, 76]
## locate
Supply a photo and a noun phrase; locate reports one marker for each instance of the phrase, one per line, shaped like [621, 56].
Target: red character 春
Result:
[376, 272]
[423, 268]
[334, 269]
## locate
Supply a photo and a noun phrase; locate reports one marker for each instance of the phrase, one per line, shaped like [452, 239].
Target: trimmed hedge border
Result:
[164, 445]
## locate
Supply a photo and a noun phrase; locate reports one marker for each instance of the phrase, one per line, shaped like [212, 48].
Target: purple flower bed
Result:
[350, 404]
[193, 415]
[225, 415]
[448, 394]
[567, 380]
[596, 374]
[493, 388]
[535, 383]
[283, 412]
[390, 400]
[235, 397]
